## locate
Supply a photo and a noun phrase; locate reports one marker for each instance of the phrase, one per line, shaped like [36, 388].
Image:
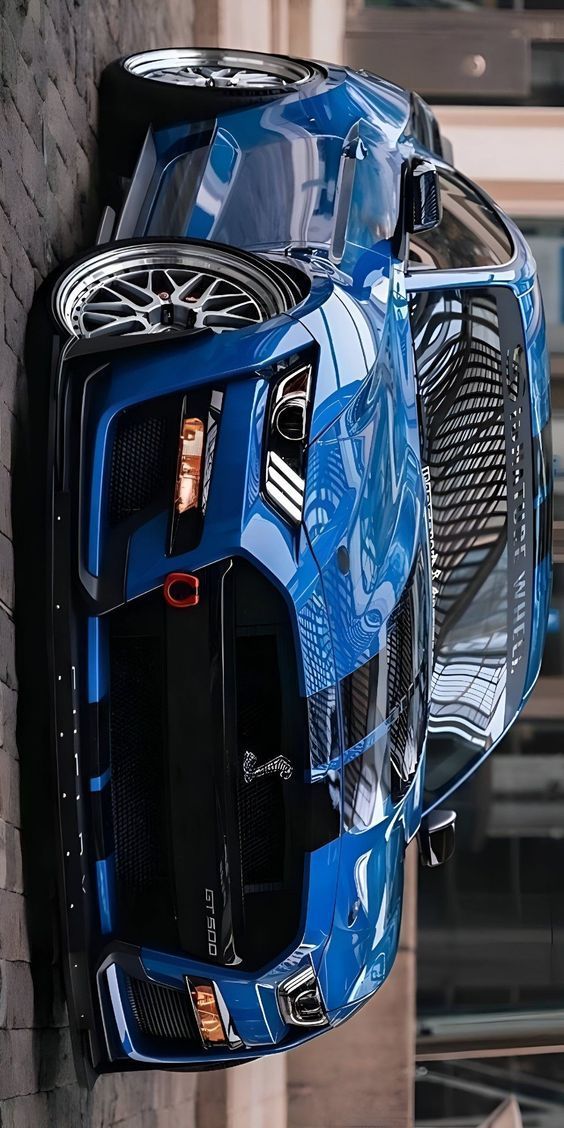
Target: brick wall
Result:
[52, 53]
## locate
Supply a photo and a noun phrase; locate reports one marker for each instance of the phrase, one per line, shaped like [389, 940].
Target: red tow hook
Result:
[181, 589]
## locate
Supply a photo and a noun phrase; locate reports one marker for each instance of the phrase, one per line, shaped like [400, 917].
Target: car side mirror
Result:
[436, 838]
[423, 196]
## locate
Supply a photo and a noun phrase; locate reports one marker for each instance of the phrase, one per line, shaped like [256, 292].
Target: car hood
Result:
[367, 525]
[365, 512]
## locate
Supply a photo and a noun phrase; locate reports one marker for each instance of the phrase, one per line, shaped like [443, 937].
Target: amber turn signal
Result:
[207, 1014]
[189, 472]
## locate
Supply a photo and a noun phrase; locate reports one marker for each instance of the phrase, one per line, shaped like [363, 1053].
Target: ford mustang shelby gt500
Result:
[298, 497]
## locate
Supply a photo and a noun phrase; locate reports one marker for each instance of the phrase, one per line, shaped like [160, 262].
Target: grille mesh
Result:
[161, 1012]
[260, 801]
[138, 466]
[261, 829]
[136, 757]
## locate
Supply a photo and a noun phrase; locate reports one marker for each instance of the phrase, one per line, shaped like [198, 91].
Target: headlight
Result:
[286, 441]
[300, 999]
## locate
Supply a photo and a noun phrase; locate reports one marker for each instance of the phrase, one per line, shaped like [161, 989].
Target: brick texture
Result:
[52, 53]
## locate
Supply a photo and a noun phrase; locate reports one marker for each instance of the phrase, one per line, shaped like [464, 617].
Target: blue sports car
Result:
[294, 412]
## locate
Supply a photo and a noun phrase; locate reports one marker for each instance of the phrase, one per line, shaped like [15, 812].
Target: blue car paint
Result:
[364, 489]
[367, 471]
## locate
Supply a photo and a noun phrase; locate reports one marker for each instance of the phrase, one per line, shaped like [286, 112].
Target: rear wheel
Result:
[170, 287]
[165, 86]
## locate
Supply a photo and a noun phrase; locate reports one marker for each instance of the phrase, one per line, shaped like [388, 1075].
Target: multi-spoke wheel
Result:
[159, 88]
[220, 70]
[168, 287]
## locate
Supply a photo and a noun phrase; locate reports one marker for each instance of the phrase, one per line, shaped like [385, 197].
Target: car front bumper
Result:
[96, 578]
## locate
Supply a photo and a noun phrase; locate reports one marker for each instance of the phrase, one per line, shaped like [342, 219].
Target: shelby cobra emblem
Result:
[279, 765]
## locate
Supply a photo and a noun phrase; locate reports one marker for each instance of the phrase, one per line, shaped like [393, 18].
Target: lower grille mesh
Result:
[161, 1012]
[138, 783]
[138, 467]
[261, 829]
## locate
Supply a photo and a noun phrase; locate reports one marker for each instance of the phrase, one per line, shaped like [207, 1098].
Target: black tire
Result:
[130, 103]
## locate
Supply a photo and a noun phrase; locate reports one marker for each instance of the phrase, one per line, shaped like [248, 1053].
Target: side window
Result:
[469, 234]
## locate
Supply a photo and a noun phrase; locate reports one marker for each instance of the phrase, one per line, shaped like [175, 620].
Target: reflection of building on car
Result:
[300, 390]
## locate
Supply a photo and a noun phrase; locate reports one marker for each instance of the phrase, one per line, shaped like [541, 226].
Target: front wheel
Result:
[171, 286]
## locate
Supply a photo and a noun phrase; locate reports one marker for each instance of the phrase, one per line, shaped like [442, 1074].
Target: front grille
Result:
[138, 785]
[191, 695]
[161, 1012]
[139, 465]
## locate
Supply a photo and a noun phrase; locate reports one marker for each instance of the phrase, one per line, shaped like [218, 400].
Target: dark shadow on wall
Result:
[53, 52]
[48, 157]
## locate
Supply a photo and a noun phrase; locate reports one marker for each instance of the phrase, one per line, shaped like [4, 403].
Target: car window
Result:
[469, 234]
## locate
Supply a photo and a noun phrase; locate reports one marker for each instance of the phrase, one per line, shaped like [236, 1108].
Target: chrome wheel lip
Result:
[180, 66]
[84, 280]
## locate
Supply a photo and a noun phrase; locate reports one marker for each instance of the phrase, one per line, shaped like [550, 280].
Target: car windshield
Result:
[476, 446]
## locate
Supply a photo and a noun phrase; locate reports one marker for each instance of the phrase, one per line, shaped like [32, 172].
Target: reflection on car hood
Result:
[364, 936]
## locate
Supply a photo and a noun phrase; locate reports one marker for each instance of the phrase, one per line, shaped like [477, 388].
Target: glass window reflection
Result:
[469, 234]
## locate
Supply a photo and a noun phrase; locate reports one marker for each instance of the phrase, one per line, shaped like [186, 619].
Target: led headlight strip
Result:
[287, 438]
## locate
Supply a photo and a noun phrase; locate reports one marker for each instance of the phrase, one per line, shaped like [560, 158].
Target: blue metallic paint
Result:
[364, 484]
